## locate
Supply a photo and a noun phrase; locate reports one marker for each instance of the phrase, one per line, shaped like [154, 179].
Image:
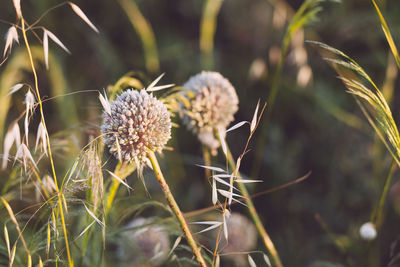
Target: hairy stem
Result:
[175, 208]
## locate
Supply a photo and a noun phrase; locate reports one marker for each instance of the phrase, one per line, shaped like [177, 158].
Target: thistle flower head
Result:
[135, 123]
[213, 102]
[148, 244]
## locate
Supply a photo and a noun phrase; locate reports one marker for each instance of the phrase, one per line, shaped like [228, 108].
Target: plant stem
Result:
[207, 161]
[175, 208]
[59, 193]
[377, 215]
[271, 101]
[256, 219]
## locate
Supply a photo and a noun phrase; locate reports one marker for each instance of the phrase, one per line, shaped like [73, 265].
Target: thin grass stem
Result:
[145, 32]
[70, 261]
[208, 27]
[207, 161]
[376, 218]
[175, 208]
[256, 219]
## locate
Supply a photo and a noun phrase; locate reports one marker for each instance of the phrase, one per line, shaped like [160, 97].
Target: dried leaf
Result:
[13, 253]
[251, 261]
[225, 228]
[24, 154]
[211, 168]
[46, 48]
[176, 243]
[105, 103]
[118, 148]
[119, 179]
[93, 216]
[221, 136]
[214, 192]
[210, 228]
[266, 259]
[254, 120]
[15, 88]
[230, 191]
[17, 5]
[48, 239]
[84, 231]
[14, 220]
[161, 87]
[217, 261]
[224, 182]
[56, 40]
[13, 135]
[228, 194]
[243, 181]
[207, 222]
[224, 175]
[11, 35]
[214, 224]
[237, 166]
[237, 125]
[7, 240]
[82, 15]
[150, 87]
[40, 262]
[41, 135]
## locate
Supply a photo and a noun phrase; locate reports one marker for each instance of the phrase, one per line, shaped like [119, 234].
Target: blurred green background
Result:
[314, 125]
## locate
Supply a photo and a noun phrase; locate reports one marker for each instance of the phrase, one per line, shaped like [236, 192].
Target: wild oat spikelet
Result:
[147, 245]
[135, 123]
[242, 235]
[213, 102]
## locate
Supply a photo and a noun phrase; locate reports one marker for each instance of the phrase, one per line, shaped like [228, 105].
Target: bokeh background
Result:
[314, 125]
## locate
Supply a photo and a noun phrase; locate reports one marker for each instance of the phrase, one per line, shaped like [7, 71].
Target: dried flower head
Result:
[146, 245]
[213, 102]
[135, 123]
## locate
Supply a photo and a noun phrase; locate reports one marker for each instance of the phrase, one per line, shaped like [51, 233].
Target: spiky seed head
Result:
[242, 235]
[213, 103]
[148, 244]
[137, 123]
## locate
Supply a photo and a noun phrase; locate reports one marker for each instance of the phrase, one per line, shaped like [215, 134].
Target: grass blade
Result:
[388, 35]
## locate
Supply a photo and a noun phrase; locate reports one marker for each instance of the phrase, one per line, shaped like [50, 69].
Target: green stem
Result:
[207, 161]
[256, 219]
[175, 208]
[208, 26]
[122, 170]
[377, 216]
[271, 101]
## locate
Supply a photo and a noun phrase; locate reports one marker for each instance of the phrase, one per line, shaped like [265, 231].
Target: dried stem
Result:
[256, 219]
[59, 193]
[174, 206]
